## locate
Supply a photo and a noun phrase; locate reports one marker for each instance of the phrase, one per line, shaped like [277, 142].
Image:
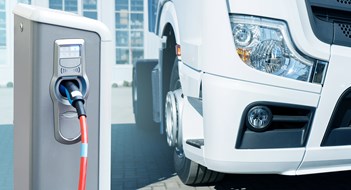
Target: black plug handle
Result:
[79, 105]
[74, 96]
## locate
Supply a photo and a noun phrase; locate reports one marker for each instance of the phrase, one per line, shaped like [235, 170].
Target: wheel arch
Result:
[168, 31]
[168, 18]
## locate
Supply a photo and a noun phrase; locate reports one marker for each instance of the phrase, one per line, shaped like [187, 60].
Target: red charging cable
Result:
[83, 152]
[75, 98]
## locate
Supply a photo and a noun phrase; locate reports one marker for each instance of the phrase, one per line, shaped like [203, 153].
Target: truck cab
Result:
[250, 86]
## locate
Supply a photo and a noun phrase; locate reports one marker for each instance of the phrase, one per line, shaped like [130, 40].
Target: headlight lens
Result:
[265, 45]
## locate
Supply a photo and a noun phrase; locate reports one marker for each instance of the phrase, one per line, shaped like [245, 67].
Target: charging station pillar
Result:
[51, 47]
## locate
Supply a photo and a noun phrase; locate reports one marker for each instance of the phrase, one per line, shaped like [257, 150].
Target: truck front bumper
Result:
[224, 103]
[327, 143]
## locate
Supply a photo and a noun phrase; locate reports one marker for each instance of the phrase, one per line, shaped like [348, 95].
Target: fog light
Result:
[259, 118]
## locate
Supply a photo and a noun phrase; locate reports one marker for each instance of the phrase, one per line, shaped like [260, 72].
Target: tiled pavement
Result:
[138, 157]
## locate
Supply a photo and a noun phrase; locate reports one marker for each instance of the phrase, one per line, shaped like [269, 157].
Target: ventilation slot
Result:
[331, 20]
[331, 15]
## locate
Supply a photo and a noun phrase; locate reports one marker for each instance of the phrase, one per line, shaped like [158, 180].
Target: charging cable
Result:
[75, 98]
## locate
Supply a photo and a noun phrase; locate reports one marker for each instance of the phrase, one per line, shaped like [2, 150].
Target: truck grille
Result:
[348, 2]
[346, 29]
[331, 20]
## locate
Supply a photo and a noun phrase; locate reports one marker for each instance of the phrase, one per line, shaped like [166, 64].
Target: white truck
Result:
[249, 86]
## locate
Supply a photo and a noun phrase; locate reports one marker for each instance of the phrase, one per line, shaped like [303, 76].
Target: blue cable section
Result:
[84, 150]
[68, 96]
[64, 89]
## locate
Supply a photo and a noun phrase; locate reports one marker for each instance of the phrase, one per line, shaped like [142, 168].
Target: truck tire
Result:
[192, 173]
[189, 172]
[142, 93]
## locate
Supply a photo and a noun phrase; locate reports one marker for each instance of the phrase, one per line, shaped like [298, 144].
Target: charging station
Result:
[52, 47]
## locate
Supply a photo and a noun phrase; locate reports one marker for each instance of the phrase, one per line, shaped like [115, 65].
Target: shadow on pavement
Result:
[140, 156]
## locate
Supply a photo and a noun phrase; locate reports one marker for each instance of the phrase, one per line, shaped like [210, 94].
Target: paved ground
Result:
[142, 160]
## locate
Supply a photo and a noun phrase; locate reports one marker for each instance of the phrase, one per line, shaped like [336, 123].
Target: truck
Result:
[249, 86]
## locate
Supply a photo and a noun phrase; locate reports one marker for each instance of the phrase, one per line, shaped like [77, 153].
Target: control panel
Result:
[69, 56]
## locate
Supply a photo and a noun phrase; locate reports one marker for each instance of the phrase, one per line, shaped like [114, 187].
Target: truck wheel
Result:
[192, 173]
[142, 93]
[189, 172]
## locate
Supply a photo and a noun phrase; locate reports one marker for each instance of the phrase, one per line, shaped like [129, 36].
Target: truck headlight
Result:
[266, 45]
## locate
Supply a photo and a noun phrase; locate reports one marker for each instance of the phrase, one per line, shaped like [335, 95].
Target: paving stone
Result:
[172, 184]
[159, 188]
[202, 188]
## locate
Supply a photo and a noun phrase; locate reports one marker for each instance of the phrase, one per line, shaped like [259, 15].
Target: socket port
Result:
[79, 81]
[64, 94]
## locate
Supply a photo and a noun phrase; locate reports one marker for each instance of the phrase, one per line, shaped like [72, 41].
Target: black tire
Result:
[192, 173]
[189, 172]
[142, 93]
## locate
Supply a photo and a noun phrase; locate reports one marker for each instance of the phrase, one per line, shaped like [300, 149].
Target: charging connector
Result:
[74, 96]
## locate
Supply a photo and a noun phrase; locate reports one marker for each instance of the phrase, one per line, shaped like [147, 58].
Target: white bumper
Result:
[224, 102]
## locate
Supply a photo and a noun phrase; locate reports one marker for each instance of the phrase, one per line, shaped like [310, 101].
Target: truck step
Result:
[198, 143]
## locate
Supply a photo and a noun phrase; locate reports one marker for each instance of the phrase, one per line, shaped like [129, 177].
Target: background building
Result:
[124, 18]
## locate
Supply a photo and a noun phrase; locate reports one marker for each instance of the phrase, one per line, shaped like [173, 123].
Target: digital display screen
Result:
[69, 51]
